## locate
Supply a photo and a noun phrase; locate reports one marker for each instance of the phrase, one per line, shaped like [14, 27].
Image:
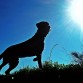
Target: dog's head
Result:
[43, 27]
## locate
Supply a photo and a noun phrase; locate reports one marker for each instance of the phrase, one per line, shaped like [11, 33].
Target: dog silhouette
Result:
[31, 47]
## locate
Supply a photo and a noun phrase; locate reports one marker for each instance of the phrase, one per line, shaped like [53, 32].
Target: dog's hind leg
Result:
[12, 65]
[3, 64]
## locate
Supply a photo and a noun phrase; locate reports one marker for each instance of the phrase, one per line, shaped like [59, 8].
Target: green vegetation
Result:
[51, 72]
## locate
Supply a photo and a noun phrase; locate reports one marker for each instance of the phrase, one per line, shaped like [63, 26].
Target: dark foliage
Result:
[78, 57]
[50, 72]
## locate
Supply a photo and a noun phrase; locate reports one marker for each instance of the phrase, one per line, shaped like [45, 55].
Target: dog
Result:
[31, 47]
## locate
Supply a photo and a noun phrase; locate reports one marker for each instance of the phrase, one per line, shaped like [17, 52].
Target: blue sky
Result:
[18, 20]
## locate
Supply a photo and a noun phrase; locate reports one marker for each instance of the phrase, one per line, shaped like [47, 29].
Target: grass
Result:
[51, 72]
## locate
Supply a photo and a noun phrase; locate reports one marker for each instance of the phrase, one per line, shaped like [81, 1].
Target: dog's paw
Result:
[35, 59]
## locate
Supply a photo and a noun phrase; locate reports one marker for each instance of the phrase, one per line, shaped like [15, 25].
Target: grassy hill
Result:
[50, 72]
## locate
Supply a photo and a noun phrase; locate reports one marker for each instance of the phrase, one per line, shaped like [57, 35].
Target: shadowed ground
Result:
[48, 73]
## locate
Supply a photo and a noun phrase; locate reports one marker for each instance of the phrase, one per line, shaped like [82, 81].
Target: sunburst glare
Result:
[75, 11]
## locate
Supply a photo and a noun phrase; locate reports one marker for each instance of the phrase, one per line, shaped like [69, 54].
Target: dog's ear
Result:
[42, 24]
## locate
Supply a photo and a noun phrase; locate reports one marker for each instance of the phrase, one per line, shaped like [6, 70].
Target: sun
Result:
[75, 11]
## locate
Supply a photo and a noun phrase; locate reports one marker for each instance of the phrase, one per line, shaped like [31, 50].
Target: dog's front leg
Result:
[35, 59]
[39, 61]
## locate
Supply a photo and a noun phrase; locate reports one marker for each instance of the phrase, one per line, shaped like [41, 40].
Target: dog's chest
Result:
[35, 46]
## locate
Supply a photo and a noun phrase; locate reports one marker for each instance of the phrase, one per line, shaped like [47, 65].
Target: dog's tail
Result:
[1, 57]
